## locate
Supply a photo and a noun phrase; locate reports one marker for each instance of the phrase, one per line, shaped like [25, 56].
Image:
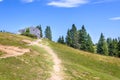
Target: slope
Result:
[56, 72]
[33, 65]
[80, 65]
[37, 64]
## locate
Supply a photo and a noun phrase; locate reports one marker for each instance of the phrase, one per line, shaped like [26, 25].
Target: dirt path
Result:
[16, 51]
[56, 73]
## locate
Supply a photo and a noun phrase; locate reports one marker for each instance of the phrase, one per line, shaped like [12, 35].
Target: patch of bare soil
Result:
[26, 41]
[12, 51]
[56, 73]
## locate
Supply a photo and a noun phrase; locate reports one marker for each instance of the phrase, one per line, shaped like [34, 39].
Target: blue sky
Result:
[97, 16]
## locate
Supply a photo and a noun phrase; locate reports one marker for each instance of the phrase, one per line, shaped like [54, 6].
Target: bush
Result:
[29, 35]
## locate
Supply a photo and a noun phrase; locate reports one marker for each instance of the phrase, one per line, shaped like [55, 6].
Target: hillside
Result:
[80, 65]
[46, 59]
[32, 65]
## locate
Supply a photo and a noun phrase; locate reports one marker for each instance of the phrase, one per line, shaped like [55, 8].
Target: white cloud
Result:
[103, 1]
[27, 1]
[67, 3]
[115, 18]
[1, 0]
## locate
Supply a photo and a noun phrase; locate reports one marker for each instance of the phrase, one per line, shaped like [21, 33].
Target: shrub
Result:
[29, 35]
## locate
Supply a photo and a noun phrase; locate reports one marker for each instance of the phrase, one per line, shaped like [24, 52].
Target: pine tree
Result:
[61, 40]
[48, 33]
[115, 43]
[74, 36]
[102, 45]
[90, 47]
[112, 46]
[79, 39]
[40, 28]
[118, 48]
[68, 38]
[83, 38]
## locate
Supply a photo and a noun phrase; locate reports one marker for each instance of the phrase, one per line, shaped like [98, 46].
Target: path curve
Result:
[56, 74]
[12, 51]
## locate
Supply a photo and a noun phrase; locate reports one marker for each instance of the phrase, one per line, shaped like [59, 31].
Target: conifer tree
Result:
[102, 45]
[110, 46]
[90, 47]
[115, 43]
[48, 33]
[61, 40]
[79, 39]
[118, 48]
[68, 38]
[74, 36]
[40, 28]
[83, 38]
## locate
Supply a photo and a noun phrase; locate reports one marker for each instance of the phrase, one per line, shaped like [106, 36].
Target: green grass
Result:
[34, 65]
[13, 39]
[80, 65]
[31, 66]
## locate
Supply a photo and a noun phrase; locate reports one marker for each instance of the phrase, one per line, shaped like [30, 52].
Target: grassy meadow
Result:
[13, 39]
[80, 65]
[34, 65]
[37, 64]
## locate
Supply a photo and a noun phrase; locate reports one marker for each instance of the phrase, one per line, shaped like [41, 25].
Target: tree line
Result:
[80, 39]
[48, 32]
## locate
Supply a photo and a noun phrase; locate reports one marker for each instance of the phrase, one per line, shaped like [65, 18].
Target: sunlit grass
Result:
[13, 39]
[31, 66]
[80, 65]
[35, 65]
